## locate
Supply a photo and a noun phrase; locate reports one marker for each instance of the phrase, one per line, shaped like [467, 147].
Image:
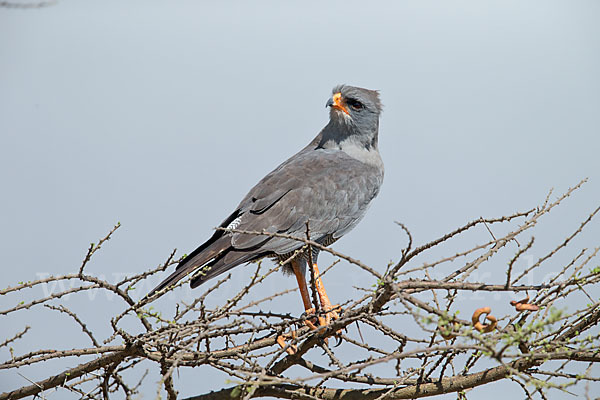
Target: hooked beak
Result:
[336, 102]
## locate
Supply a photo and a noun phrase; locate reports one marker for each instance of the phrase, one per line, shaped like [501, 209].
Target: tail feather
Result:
[198, 258]
[222, 264]
[213, 257]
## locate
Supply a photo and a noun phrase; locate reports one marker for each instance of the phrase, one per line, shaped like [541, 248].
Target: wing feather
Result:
[327, 188]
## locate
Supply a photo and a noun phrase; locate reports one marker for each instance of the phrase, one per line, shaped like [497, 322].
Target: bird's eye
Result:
[355, 104]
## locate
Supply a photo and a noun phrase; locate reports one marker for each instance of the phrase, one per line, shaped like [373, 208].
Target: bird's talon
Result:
[331, 314]
[310, 324]
[290, 349]
[338, 340]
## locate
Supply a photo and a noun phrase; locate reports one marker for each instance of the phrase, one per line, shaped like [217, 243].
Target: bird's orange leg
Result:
[308, 308]
[302, 285]
[331, 311]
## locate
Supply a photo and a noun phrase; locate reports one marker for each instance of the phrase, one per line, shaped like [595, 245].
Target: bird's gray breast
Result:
[328, 188]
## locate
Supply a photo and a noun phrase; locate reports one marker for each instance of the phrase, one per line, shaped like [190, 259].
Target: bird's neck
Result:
[360, 146]
[339, 133]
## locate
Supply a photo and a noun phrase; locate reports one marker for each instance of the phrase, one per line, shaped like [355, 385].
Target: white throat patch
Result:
[360, 153]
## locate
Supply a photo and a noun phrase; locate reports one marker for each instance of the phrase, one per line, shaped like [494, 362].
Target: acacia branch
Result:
[240, 339]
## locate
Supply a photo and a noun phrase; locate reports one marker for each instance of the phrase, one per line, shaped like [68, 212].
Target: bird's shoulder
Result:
[315, 170]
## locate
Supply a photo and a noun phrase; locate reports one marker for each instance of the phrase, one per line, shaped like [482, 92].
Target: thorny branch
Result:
[415, 345]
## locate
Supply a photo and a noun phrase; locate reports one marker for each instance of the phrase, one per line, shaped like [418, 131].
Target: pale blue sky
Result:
[161, 115]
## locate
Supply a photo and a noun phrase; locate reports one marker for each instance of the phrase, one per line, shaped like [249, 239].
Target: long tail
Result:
[200, 257]
[223, 263]
[212, 258]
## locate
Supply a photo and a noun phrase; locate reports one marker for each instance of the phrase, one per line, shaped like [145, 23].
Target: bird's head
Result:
[355, 108]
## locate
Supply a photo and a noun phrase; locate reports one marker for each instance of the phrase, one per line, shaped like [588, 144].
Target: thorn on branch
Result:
[408, 247]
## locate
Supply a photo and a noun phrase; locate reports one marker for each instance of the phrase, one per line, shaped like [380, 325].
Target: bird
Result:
[326, 188]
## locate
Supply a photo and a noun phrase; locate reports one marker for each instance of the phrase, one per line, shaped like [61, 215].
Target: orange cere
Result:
[337, 103]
